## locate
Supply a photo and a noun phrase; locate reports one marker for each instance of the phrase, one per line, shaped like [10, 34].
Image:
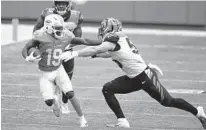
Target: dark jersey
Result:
[72, 16]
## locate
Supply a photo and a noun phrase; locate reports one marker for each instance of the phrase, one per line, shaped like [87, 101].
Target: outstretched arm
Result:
[102, 55]
[88, 42]
[94, 50]
[89, 51]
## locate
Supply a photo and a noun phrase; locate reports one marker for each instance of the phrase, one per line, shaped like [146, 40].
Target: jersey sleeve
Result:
[112, 37]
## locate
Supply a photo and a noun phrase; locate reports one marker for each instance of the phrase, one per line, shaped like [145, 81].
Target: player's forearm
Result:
[93, 42]
[86, 52]
[102, 55]
[29, 44]
[25, 49]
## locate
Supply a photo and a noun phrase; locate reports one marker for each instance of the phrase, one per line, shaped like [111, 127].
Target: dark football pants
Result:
[68, 66]
[147, 81]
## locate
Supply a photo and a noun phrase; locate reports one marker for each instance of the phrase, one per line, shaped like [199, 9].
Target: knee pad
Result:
[70, 94]
[49, 102]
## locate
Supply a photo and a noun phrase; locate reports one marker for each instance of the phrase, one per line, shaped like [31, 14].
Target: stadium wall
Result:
[146, 12]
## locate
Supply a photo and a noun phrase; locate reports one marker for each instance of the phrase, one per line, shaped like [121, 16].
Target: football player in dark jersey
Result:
[72, 21]
[138, 75]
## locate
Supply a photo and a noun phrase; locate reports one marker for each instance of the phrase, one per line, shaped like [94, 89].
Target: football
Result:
[35, 50]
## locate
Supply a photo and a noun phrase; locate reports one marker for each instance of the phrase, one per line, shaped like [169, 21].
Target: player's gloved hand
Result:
[68, 55]
[155, 68]
[32, 58]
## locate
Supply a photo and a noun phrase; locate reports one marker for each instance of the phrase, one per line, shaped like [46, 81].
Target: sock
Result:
[76, 105]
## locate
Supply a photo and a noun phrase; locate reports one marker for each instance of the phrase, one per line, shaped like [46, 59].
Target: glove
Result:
[68, 55]
[31, 58]
[155, 68]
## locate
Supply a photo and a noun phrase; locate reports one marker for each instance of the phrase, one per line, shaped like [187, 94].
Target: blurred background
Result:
[134, 14]
[139, 12]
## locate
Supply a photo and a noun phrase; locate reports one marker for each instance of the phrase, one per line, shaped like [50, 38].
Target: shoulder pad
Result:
[112, 37]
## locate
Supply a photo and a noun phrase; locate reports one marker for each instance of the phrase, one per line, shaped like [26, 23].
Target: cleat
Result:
[122, 123]
[201, 116]
[83, 122]
[56, 107]
[65, 108]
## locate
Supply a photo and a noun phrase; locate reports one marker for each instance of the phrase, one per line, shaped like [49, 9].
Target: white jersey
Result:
[126, 55]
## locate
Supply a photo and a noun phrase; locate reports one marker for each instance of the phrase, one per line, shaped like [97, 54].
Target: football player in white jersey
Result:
[139, 75]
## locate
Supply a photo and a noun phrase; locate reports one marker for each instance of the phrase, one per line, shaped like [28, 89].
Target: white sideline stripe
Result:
[92, 76]
[92, 99]
[92, 112]
[182, 91]
[95, 67]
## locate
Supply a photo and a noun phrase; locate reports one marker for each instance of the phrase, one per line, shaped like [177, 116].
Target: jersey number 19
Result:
[53, 57]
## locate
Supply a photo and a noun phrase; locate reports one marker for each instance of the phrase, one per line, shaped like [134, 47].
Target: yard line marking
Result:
[106, 78]
[87, 98]
[182, 91]
[105, 67]
[92, 112]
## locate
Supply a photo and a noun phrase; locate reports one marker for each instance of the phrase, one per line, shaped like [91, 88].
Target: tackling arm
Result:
[93, 50]
[88, 51]
[88, 42]
[102, 55]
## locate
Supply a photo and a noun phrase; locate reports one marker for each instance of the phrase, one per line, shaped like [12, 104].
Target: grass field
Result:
[182, 59]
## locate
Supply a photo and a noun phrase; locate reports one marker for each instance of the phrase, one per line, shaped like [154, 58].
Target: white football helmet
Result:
[62, 6]
[54, 25]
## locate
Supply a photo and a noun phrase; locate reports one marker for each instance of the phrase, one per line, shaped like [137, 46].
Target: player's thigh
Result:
[63, 80]
[122, 85]
[154, 88]
[69, 66]
[47, 86]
